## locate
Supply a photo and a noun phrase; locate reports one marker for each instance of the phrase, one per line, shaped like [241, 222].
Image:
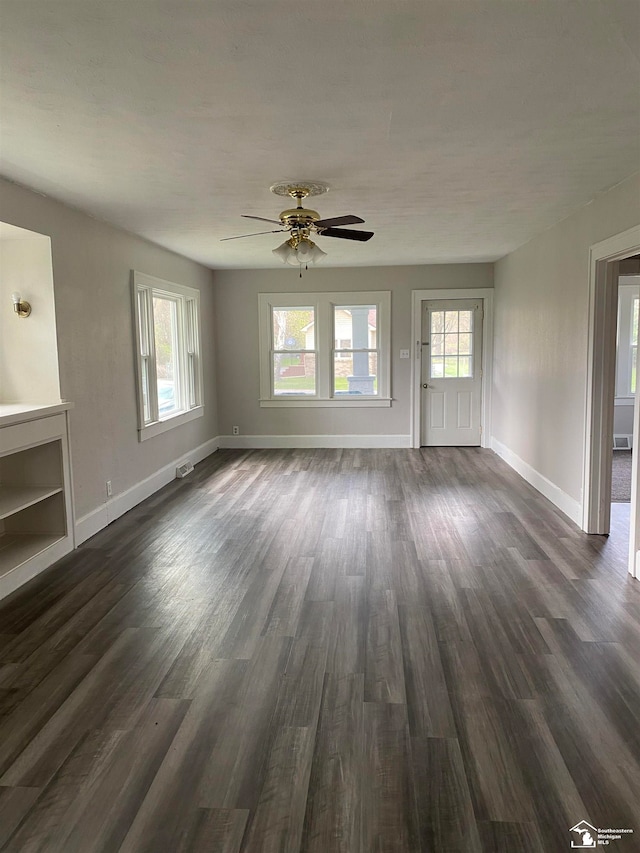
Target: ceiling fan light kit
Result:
[301, 222]
[299, 252]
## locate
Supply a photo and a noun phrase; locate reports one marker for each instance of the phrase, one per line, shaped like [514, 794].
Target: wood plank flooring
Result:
[332, 651]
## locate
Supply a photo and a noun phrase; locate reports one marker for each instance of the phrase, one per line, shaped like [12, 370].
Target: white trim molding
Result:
[97, 519]
[264, 442]
[417, 297]
[569, 506]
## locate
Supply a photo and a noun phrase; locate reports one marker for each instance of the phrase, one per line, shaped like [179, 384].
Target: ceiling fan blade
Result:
[261, 218]
[346, 234]
[240, 236]
[338, 220]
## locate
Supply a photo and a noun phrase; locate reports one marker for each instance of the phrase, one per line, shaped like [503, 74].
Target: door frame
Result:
[417, 298]
[598, 438]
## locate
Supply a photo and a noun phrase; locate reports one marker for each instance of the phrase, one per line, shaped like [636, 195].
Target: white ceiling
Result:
[458, 129]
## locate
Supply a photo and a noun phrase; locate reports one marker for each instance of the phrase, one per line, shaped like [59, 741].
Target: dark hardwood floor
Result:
[337, 651]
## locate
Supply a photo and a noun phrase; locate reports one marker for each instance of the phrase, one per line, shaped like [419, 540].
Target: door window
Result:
[451, 344]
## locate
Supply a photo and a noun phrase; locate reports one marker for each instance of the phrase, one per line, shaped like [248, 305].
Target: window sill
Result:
[151, 430]
[345, 403]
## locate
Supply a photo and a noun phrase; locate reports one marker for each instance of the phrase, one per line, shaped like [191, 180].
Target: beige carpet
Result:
[621, 477]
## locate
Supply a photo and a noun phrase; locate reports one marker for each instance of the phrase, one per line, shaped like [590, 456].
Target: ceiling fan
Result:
[302, 223]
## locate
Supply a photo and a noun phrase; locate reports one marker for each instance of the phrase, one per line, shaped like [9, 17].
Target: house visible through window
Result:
[168, 354]
[325, 348]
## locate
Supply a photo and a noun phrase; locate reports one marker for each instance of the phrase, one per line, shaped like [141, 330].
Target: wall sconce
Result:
[20, 306]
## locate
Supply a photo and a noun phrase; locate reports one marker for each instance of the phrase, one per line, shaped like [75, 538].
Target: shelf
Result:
[17, 549]
[15, 498]
[36, 516]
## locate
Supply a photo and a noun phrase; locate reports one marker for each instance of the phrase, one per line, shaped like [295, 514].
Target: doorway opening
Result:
[604, 271]
[625, 381]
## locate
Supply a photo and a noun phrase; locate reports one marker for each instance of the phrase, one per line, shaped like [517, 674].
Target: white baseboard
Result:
[563, 501]
[262, 442]
[94, 521]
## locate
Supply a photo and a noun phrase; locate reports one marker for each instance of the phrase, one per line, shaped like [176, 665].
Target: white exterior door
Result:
[451, 373]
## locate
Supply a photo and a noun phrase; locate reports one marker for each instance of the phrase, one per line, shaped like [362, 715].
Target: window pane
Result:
[437, 322]
[464, 321]
[355, 373]
[464, 344]
[294, 373]
[634, 362]
[464, 366]
[293, 328]
[634, 328]
[451, 366]
[451, 344]
[165, 326]
[355, 326]
[437, 344]
[451, 321]
[437, 367]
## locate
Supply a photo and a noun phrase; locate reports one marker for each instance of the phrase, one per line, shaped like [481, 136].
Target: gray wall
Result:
[92, 263]
[28, 346]
[236, 311]
[541, 336]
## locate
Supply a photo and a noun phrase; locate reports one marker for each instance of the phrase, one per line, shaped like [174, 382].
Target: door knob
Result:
[424, 385]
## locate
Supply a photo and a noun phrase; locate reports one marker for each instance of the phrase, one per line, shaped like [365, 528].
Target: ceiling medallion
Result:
[299, 189]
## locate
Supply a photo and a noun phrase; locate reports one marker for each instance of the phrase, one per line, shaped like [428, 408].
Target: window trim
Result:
[189, 362]
[323, 305]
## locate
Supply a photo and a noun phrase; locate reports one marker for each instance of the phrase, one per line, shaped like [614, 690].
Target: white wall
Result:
[540, 346]
[28, 346]
[92, 265]
[236, 310]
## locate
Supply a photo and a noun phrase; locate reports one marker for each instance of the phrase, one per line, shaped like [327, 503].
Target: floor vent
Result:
[622, 442]
[184, 469]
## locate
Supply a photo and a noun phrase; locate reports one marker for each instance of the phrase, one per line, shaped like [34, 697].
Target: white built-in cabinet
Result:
[36, 525]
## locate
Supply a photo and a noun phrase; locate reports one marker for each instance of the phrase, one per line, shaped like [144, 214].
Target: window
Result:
[168, 354]
[325, 349]
[294, 354]
[627, 346]
[451, 344]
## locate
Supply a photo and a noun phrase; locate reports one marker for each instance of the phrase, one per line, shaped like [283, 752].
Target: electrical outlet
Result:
[235, 430]
[109, 489]
[404, 353]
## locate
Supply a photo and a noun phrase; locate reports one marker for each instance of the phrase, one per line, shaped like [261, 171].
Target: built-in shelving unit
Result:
[35, 501]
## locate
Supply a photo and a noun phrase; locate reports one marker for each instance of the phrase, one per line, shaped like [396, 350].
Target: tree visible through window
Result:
[451, 344]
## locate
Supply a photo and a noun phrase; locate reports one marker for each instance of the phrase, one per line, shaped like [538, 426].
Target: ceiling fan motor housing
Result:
[299, 217]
